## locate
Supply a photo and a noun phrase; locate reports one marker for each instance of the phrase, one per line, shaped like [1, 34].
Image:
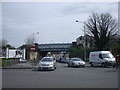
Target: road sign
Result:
[33, 48]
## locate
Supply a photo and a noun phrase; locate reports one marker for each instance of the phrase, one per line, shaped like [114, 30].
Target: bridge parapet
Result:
[55, 47]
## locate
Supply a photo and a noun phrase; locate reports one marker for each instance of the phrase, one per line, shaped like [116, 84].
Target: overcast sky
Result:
[55, 21]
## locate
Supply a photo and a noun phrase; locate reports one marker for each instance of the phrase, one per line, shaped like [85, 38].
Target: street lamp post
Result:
[84, 39]
[33, 54]
[84, 42]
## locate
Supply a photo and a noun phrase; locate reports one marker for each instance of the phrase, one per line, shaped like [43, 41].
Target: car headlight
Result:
[83, 62]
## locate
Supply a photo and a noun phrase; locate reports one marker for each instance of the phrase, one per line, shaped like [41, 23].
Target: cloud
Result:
[54, 21]
[89, 7]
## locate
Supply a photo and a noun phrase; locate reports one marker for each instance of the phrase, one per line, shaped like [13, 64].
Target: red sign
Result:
[33, 48]
[110, 50]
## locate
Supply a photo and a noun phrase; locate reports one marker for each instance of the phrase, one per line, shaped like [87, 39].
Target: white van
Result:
[103, 58]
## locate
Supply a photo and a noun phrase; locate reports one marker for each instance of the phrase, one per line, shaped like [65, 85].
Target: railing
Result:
[5, 63]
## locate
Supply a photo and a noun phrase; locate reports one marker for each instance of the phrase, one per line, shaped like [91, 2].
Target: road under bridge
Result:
[57, 49]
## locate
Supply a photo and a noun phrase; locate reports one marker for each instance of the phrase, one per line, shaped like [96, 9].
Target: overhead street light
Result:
[84, 39]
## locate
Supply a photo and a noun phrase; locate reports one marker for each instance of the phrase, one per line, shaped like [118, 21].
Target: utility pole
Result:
[84, 44]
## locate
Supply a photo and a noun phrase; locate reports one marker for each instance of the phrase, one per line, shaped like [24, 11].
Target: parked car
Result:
[76, 62]
[47, 63]
[22, 61]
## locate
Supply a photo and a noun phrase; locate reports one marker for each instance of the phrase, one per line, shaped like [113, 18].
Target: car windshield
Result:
[47, 60]
[76, 59]
[108, 55]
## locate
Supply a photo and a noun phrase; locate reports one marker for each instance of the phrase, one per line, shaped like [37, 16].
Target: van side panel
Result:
[94, 56]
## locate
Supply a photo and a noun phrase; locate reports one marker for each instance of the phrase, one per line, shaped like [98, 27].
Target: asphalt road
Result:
[62, 77]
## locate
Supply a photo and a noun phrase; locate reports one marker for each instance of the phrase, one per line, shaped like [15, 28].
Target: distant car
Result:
[67, 60]
[47, 63]
[76, 62]
[61, 60]
[22, 61]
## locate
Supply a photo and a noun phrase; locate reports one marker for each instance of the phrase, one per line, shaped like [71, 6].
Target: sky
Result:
[55, 21]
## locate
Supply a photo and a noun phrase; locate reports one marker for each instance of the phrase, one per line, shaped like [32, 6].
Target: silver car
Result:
[76, 62]
[47, 63]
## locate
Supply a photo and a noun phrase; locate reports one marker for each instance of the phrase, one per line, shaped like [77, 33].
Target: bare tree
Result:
[102, 27]
[3, 43]
[30, 40]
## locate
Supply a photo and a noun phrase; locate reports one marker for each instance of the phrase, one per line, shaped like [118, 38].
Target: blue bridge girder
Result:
[59, 47]
[55, 49]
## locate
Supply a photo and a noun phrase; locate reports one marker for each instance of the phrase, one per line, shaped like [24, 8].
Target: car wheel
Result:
[72, 64]
[53, 69]
[68, 65]
[83, 66]
[39, 69]
[103, 65]
[91, 64]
